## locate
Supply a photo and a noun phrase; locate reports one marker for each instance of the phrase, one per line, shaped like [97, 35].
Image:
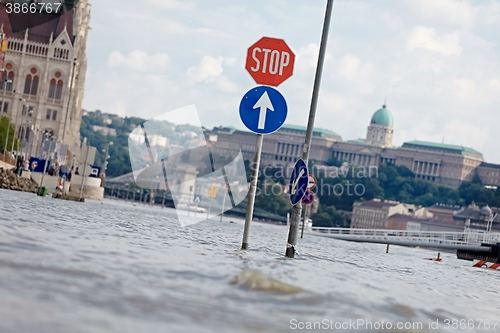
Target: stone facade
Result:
[47, 65]
[375, 214]
[283, 147]
[444, 164]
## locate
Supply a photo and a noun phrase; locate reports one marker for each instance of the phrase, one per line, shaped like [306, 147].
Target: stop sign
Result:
[270, 61]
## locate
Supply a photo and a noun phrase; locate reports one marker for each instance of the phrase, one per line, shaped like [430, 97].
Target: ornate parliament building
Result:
[44, 62]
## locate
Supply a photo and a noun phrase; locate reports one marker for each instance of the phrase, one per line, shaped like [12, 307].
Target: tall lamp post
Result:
[106, 156]
[22, 111]
[48, 138]
[5, 82]
[24, 152]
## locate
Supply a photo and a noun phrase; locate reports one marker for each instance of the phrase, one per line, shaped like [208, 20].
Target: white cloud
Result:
[359, 74]
[174, 4]
[308, 56]
[208, 69]
[139, 61]
[428, 39]
[438, 62]
[452, 12]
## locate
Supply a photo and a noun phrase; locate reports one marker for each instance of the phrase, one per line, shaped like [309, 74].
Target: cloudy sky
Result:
[436, 61]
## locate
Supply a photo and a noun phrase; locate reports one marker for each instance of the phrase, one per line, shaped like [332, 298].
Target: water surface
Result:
[116, 267]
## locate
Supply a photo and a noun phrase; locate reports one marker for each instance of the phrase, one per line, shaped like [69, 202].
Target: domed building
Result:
[444, 164]
[380, 130]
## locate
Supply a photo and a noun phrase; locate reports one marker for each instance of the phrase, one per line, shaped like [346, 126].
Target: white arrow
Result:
[263, 103]
[296, 181]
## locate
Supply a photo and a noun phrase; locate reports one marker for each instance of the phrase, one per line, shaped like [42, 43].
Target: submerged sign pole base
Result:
[296, 210]
[253, 190]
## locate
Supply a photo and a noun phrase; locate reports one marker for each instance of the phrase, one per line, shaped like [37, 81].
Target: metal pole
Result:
[30, 141]
[6, 140]
[223, 203]
[209, 207]
[84, 171]
[294, 222]
[69, 100]
[8, 119]
[44, 166]
[15, 128]
[253, 189]
[303, 222]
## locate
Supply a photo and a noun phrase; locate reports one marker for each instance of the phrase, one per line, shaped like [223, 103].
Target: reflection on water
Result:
[113, 267]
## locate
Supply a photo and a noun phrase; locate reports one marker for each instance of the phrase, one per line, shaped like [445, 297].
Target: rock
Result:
[11, 181]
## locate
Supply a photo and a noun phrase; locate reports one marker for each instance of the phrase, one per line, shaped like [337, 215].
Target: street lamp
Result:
[25, 133]
[5, 82]
[106, 156]
[17, 114]
[48, 139]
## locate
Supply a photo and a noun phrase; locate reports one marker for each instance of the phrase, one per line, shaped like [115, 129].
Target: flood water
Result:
[116, 267]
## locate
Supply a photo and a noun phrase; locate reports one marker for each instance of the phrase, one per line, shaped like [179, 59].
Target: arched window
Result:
[56, 87]
[59, 89]
[10, 84]
[52, 88]
[9, 76]
[31, 85]
[27, 84]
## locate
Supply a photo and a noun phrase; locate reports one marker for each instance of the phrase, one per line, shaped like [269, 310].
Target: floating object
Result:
[486, 264]
[438, 259]
[256, 281]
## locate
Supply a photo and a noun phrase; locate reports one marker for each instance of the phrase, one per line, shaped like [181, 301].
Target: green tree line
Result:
[6, 125]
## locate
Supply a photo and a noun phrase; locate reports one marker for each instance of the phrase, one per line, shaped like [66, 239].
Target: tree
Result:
[5, 125]
[270, 198]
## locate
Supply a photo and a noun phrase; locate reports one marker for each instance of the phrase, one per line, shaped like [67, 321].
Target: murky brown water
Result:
[114, 267]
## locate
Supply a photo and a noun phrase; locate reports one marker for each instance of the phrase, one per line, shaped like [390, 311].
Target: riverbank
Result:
[9, 180]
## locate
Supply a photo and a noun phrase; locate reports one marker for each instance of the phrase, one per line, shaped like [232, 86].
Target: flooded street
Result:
[115, 267]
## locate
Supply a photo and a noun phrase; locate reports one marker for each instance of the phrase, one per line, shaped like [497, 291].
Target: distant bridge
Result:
[468, 240]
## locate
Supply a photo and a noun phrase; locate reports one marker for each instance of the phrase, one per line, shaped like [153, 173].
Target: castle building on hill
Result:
[443, 164]
[43, 81]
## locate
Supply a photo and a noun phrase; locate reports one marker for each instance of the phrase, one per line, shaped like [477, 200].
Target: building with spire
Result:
[44, 75]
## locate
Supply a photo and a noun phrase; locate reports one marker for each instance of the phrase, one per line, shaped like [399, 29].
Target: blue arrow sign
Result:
[298, 182]
[263, 110]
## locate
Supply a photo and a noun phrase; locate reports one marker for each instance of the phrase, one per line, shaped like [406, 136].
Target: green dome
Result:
[383, 117]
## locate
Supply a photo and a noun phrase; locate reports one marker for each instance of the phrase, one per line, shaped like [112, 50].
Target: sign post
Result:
[263, 109]
[225, 187]
[296, 210]
[307, 200]
[212, 193]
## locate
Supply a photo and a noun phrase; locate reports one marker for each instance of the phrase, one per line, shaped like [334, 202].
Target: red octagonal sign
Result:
[270, 61]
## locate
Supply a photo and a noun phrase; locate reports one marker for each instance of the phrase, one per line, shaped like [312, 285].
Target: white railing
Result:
[410, 237]
[38, 49]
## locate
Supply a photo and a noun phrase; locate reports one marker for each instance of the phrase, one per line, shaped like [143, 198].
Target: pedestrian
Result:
[19, 166]
[76, 172]
[26, 165]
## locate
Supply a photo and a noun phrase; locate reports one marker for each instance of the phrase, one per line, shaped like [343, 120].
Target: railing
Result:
[37, 49]
[7, 159]
[457, 240]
